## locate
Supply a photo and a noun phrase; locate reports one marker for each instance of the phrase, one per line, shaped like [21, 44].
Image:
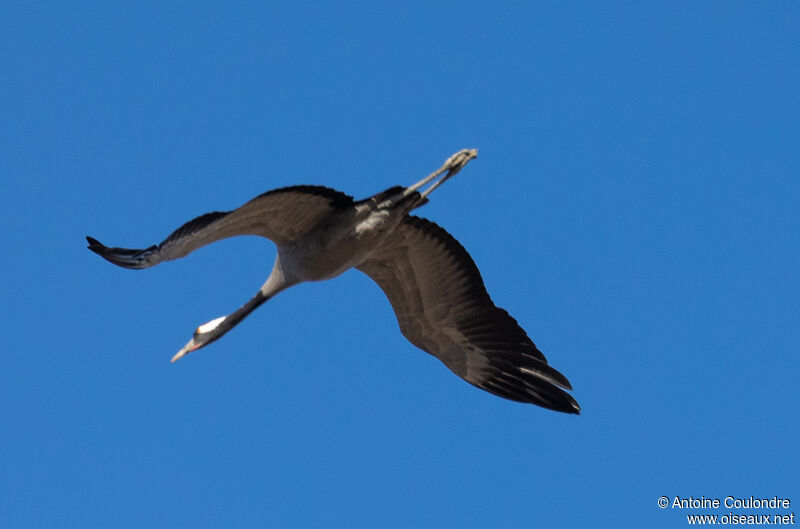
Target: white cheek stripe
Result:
[207, 327]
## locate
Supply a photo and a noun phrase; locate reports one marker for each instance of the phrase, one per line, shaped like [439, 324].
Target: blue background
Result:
[634, 205]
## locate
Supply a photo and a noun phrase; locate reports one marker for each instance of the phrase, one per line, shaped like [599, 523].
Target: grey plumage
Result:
[432, 283]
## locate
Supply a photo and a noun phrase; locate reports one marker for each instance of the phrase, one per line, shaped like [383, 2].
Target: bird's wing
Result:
[282, 215]
[443, 308]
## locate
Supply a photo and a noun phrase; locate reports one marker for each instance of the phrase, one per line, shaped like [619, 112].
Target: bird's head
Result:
[203, 335]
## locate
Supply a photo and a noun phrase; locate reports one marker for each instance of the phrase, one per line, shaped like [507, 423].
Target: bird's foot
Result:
[451, 166]
[458, 161]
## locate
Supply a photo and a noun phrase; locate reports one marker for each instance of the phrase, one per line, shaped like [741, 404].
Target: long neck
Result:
[277, 281]
[241, 313]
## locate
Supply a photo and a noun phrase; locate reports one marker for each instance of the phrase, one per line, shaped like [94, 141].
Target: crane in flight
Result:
[432, 283]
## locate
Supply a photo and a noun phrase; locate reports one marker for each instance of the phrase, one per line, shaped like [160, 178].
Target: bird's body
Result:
[433, 285]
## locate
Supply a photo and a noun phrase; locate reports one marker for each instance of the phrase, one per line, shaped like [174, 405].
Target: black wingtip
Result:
[559, 400]
[123, 257]
[95, 245]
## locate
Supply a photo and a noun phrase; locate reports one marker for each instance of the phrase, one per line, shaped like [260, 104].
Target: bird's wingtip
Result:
[574, 407]
[124, 257]
[95, 245]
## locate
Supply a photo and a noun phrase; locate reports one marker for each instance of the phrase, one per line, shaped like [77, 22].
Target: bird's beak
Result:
[186, 349]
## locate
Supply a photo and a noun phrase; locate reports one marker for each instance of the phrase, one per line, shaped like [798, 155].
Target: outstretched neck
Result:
[277, 281]
[232, 319]
[212, 331]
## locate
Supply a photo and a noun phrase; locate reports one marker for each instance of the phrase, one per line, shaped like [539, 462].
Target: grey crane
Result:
[432, 283]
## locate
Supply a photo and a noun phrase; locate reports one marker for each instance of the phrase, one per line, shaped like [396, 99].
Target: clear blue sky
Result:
[634, 206]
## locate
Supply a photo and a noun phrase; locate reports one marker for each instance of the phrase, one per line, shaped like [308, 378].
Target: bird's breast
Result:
[339, 244]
